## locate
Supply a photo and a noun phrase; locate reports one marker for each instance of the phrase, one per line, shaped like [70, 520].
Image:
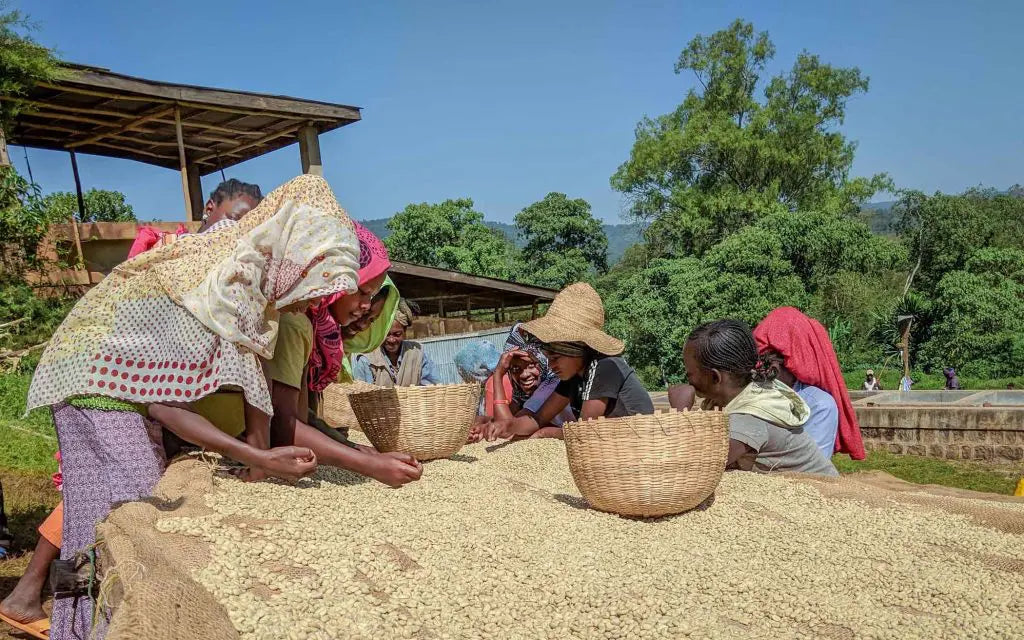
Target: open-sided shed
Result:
[196, 130]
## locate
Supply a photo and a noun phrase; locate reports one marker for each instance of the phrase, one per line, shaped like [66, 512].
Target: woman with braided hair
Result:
[766, 417]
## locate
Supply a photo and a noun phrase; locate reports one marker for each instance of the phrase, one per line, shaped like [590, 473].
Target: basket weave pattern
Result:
[653, 465]
[335, 407]
[426, 422]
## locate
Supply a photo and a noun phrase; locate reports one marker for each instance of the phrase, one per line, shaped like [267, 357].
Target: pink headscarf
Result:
[326, 356]
[808, 353]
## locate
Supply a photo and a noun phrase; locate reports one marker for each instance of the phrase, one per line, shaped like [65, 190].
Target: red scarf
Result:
[326, 356]
[808, 353]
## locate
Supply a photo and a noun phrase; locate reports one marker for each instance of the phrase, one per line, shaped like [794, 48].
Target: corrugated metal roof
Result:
[442, 350]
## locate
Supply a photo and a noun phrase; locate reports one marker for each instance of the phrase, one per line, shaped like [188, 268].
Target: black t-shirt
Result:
[610, 378]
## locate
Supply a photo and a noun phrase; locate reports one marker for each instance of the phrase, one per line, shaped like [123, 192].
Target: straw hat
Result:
[576, 315]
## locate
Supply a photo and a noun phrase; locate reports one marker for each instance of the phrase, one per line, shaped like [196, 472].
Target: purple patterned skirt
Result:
[108, 457]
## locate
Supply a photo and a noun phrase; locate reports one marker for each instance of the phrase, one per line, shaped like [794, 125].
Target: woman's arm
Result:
[526, 425]
[593, 408]
[289, 463]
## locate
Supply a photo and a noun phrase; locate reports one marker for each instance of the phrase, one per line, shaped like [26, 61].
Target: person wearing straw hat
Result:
[595, 380]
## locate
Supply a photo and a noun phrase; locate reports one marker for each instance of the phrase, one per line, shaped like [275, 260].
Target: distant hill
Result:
[620, 236]
[879, 217]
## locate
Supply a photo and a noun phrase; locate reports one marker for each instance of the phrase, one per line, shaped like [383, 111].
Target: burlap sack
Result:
[147, 586]
[877, 488]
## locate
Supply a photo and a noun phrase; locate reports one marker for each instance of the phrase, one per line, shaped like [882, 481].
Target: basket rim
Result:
[431, 388]
[664, 419]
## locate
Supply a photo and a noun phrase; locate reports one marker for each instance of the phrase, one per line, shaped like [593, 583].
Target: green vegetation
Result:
[960, 475]
[561, 241]
[101, 205]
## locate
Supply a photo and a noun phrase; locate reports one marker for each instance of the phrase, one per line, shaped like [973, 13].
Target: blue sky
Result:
[506, 101]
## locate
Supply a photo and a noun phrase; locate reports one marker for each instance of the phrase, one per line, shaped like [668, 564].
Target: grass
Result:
[920, 470]
[890, 380]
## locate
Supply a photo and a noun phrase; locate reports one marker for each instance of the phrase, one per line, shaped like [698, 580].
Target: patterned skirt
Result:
[108, 457]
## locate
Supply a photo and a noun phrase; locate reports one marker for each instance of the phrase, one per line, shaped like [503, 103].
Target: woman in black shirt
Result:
[595, 380]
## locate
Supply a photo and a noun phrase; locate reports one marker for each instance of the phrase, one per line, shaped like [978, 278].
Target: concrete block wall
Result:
[991, 434]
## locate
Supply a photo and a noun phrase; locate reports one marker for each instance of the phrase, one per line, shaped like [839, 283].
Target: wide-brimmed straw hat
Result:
[576, 315]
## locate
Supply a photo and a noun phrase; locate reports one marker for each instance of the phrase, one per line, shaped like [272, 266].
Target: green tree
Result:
[564, 243]
[450, 235]
[101, 205]
[978, 321]
[23, 64]
[942, 232]
[724, 157]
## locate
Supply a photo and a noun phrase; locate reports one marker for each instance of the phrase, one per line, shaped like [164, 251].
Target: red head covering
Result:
[808, 353]
[325, 358]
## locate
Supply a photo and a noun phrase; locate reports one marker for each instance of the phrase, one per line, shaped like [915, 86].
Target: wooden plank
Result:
[309, 150]
[81, 211]
[208, 96]
[128, 126]
[408, 268]
[195, 191]
[287, 131]
[108, 85]
[182, 162]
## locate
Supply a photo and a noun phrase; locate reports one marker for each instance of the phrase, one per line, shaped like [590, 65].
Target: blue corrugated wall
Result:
[442, 350]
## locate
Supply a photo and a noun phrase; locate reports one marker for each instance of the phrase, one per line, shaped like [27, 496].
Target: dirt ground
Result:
[28, 498]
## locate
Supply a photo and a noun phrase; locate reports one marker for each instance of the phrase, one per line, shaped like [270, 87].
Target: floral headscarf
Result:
[518, 341]
[325, 360]
[179, 321]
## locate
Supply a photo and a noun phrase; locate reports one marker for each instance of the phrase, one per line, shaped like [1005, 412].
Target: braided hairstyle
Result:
[728, 346]
[234, 188]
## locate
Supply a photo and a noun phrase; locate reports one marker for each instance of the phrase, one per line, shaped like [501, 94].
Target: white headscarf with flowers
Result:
[180, 321]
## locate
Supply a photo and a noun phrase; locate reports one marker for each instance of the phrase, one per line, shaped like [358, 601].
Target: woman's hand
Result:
[287, 463]
[505, 362]
[395, 469]
[498, 430]
[476, 432]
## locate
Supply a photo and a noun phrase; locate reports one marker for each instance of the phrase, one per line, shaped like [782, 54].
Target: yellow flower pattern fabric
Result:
[180, 321]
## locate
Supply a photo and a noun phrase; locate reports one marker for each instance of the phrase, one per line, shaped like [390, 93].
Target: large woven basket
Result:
[335, 407]
[427, 422]
[653, 465]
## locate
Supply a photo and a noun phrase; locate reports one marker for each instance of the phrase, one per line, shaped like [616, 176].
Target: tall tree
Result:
[23, 63]
[564, 243]
[942, 232]
[101, 205]
[450, 235]
[726, 156]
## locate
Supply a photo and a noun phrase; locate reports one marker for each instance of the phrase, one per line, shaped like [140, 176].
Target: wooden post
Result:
[309, 150]
[906, 349]
[533, 311]
[81, 211]
[440, 308]
[5, 159]
[503, 309]
[189, 214]
[195, 191]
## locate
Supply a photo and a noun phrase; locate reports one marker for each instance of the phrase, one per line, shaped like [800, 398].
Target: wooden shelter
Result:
[196, 130]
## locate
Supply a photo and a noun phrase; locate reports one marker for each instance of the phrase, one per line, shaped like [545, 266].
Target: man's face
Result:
[393, 343]
[230, 208]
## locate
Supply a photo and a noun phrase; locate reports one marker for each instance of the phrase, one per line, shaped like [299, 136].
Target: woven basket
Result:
[653, 465]
[426, 422]
[335, 407]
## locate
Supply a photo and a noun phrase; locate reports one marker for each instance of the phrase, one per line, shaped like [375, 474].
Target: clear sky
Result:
[506, 101]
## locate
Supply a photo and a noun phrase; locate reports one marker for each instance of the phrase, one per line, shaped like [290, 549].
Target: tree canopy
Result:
[23, 63]
[101, 205]
[727, 156]
[564, 243]
[450, 235]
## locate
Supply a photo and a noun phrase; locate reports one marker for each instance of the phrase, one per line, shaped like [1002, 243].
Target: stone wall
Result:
[993, 434]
